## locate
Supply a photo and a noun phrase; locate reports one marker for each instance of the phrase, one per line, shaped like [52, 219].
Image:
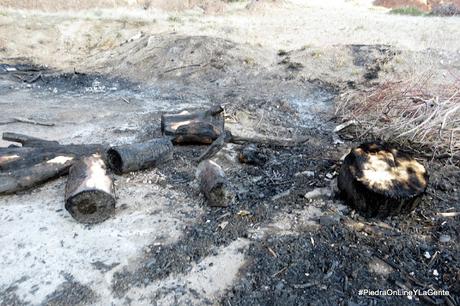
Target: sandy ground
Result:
[64, 39]
[47, 258]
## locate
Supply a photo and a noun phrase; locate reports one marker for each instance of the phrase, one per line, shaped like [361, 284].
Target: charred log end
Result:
[214, 184]
[91, 206]
[115, 161]
[219, 196]
[379, 181]
[89, 195]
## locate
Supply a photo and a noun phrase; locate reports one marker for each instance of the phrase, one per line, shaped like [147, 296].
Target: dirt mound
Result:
[187, 58]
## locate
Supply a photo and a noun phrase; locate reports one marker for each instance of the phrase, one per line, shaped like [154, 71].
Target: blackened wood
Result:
[199, 127]
[252, 155]
[216, 146]
[133, 157]
[27, 141]
[213, 184]
[25, 157]
[25, 178]
[378, 180]
[89, 194]
[196, 133]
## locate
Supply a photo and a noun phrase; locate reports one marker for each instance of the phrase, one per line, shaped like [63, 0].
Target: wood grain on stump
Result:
[89, 194]
[378, 180]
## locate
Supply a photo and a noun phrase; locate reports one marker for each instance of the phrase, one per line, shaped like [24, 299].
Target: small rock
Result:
[329, 220]
[252, 155]
[279, 286]
[318, 193]
[223, 225]
[435, 272]
[444, 238]
[427, 255]
[307, 173]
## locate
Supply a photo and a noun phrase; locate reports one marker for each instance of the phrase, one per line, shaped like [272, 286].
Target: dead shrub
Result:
[414, 113]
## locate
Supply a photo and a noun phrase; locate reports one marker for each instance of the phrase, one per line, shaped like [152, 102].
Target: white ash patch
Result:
[41, 242]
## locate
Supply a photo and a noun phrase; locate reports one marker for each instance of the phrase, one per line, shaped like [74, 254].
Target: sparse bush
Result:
[448, 9]
[174, 19]
[412, 11]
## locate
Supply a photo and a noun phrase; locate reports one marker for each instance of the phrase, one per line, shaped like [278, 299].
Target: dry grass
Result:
[75, 5]
[414, 113]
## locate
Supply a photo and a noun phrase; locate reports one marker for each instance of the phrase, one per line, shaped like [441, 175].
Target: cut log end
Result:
[115, 161]
[214, 184]
[89, 195]
[91, 206]
[380, 181]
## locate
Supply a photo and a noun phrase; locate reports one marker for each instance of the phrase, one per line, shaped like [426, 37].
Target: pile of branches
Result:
[409, 113]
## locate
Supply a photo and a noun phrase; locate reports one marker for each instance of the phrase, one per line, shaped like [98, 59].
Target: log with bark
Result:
[194, 128]
[127, 158]
[378, 180]
[214, 184]
[37, 161]
[24, 178]
[89, 194]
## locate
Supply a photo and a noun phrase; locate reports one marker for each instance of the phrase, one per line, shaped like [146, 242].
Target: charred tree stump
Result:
[213, 184]
[89, 194]
[127, 158]
[380, 181]
[194, 128]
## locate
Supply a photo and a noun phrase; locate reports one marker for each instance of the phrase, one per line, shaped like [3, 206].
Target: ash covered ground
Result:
[164, 246]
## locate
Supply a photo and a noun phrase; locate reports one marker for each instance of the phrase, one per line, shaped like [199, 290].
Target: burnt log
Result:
[27, 141]
[89, 193]
[214, 184]
[216, 146]
[24, 178]
[35, 150]
[379, 181]
[194, 128]
[127, 158]
[37, 161]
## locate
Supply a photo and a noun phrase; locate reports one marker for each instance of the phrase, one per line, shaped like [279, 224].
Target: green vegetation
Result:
[412, 11]
[174, 19]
